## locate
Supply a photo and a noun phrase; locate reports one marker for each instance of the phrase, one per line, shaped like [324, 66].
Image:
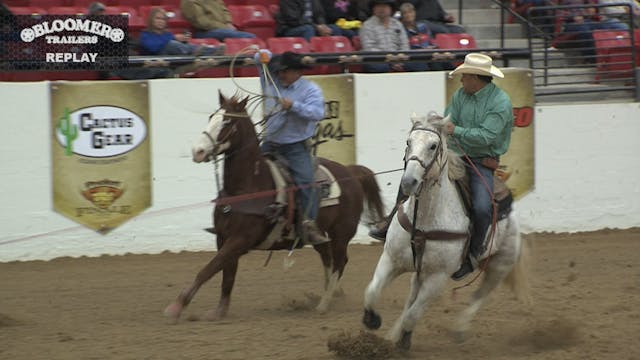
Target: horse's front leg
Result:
[383, 275]
[228, 279]
[226, 256]
[428, 289]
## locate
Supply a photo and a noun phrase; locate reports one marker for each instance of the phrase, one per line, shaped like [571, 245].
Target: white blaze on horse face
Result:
[422, 150]
[204, 145]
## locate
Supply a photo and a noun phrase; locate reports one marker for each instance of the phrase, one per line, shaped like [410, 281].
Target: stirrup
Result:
[311, 234]
[379, 234]
[465, 269]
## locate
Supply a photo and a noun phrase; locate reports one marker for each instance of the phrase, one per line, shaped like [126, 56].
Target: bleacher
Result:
[255, 18]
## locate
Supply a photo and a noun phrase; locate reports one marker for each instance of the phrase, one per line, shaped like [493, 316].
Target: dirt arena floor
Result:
[586, 290]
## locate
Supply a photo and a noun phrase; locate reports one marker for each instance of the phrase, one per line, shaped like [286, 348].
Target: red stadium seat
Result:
[255, 19]
[212, 72]
[455, 41]
[330, 44]
[28, 10]
[67, 10]
[355, 41]
[121, 10]
[278, 45]
[613, 53]
[237, 45]
[235, 2]
[86, 3]
[50, 3]
[17, 3]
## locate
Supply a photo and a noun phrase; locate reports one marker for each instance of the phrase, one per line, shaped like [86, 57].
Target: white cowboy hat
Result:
[478, 64]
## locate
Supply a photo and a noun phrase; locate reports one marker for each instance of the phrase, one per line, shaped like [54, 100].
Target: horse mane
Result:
[457, 170]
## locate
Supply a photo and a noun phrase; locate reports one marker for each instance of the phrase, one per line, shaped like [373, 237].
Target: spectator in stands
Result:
[157, 40]
[582, 21]
[438, 20]
[381, 32]
[304, 18]
[620, 12]
[96, 8]
[345, 14]
[211, 19]
[419, 34]
[543, 19]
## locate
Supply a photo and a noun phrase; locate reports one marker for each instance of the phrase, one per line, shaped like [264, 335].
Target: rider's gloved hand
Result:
[262, 56]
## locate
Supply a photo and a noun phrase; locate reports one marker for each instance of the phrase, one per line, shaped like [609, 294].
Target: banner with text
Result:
[517, 165]
[101, 160]
[334, 137]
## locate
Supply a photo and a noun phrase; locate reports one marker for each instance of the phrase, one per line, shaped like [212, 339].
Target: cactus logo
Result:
[100, 131]
[68, 130]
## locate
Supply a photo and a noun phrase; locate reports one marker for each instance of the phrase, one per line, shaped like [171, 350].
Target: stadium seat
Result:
[212, 72]
[138, 3]
[278, 45]
[121, 10]
[236, 45]
[67, 10]
[454, 41]
[355, 41]
[28, 10]
[636, 39]
[330, 44]
[85, 3]
[17, 3]
[255, 19]
[613, 54]
[274, 9]
[49, 3]
[235, 2]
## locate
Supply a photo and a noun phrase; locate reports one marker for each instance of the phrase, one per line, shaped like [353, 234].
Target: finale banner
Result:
[334, 137]
[100, 151]
[517, 165]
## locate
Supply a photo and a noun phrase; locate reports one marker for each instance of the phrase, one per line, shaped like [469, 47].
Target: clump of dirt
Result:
[305, 302]
[365, 345]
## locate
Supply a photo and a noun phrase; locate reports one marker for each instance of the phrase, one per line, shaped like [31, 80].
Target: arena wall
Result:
[586, 170]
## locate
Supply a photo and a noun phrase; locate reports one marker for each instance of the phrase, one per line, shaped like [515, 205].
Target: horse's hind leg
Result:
[423, 293]
[383, 275]
[496, 271]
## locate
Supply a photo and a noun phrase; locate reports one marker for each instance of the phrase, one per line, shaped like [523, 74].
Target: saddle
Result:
[283, 210]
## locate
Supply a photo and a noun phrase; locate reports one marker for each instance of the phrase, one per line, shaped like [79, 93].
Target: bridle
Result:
[225, 122]
[438, 156]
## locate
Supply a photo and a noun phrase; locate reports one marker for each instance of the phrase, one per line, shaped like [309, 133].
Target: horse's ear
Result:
[242, 105]
[415, 119]
[221, 99]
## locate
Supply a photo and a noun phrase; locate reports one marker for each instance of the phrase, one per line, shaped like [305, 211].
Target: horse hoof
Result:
[371, 320]
[172, 312]
[404, 343]
[322, 308]
[213, 315]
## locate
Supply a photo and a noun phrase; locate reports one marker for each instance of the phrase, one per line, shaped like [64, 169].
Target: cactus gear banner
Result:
[100, 146]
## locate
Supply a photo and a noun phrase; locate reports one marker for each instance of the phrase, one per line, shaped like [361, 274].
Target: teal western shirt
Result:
[483, 121]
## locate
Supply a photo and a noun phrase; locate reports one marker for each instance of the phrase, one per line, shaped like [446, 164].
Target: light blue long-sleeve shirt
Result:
[483, 120]
[299, 122]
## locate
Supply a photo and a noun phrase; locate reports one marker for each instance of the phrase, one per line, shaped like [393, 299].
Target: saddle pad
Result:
[328, 186]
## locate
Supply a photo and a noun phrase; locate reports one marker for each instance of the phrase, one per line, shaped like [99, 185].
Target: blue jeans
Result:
[302, 171]
[306, 31]
[221, 34]
[482, 211]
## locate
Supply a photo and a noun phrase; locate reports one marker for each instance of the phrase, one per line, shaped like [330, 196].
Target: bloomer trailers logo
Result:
[100, 131]
[53, 42]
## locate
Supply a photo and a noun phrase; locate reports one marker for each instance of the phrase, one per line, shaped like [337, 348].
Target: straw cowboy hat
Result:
[478, 64]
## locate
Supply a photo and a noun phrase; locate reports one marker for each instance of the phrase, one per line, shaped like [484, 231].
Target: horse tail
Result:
[519, 277]
[374, 204]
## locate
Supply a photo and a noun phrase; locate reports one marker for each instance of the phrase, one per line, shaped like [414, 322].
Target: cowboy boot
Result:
[465, 269]
[380, 233]
[312, 234]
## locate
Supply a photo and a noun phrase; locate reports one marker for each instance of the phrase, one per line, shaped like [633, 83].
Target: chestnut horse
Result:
[248, 189]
